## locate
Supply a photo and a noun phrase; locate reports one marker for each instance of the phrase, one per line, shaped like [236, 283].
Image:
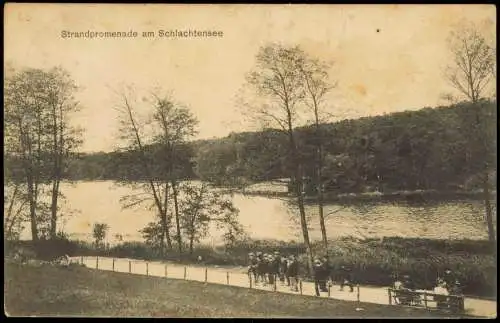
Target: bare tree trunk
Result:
[191, 244]
[487, 205]
[33, 220]
[485, 179]
[320, 201]
[319, 181]
[165, 227]
[53, 209]
[9, 217]
[177, 216]
[28, 166]
[299, 185]
[138, 141]
[303, 220]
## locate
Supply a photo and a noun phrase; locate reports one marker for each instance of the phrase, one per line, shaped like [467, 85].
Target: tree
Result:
[153, 234]
[471, 71]
[279, 83]
[317, 86]
[39, 138]
[202, 206]
[65, 138]
[99, 232]
[153, 188]
[175, 126]
[14, 216]
[160, 151]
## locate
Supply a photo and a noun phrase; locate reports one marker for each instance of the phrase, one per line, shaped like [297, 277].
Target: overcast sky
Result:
[387, 58]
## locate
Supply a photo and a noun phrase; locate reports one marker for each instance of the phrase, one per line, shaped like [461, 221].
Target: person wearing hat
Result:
[456, 304]
[275, 261]
[442, 292]
[270, 269]
[282, 271]
[319, 277]
[449, 277]
[261, 268]
[346, 278]
[408, 282]
[293, 273]
[327, 268]
[252, 266]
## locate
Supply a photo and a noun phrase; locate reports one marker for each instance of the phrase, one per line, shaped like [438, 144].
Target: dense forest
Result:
[429, 149]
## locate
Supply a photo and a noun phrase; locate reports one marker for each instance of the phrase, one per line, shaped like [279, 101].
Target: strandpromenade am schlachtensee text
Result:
[161, 33]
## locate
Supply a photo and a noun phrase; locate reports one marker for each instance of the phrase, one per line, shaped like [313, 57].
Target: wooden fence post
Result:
[274, 285]
[329, 289]
[113, 264]
[147, 268]
[206, 274]
[250, 280]
[300, 286]
[357, 287]
[97, 262]
[227, 277]
[390, 298]
[425, 299]
[185, 272]
[130, 267]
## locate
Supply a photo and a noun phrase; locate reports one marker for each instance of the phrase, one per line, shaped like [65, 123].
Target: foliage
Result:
[39, 139]
[411, 150]
[152, 234]
[201, 206]
[99, 232]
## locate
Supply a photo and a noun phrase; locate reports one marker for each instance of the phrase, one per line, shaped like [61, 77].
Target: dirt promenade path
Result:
[237, 276]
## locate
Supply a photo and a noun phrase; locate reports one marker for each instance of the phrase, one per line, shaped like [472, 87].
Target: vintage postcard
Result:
[259, 161]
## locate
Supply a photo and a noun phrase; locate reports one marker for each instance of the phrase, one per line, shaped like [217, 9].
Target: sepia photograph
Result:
[250, 161]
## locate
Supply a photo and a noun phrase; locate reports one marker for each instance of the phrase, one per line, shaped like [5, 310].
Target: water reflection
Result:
[271, 218]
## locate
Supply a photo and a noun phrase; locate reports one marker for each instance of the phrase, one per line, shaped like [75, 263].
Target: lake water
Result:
[267, 218]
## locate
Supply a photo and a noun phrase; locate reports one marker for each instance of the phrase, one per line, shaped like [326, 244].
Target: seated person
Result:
[406, 285]
[456, 303]
[442, 290]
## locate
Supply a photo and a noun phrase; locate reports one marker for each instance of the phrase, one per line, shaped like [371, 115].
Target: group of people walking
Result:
[267, 268]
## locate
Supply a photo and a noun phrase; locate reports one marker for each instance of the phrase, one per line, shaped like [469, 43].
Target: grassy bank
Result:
[374, 261]
[47, 290]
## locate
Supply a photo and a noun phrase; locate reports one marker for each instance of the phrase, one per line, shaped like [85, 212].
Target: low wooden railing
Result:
[416, 298]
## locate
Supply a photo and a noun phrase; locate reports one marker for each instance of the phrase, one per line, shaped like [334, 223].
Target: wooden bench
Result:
[454, 303]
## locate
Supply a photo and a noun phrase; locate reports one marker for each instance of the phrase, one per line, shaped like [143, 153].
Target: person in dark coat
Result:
[283, 269]
[270, 269]
[275, 265]
[320, 276]
[449, 277]
[346, 278]
[293, 273]
[252, 266]
[327, 268]
[408, 283]
[261, 268]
